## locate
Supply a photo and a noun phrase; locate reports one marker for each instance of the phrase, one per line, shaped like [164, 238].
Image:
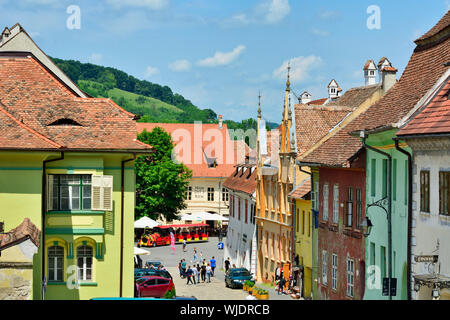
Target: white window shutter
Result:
[102, 191]
[107, 189]
[50, 192]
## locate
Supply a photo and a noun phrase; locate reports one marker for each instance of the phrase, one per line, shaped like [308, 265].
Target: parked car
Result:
[154, 263]
[139, 273]
[155, 287]
[235, 278]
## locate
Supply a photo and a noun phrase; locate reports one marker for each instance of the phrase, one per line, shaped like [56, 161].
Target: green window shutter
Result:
[373, 172]
[384, 186]
[394, 180]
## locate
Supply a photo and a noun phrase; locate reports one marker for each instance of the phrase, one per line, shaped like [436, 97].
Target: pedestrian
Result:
[227, 264]
[195, 255]
[203, 272]
[213, 266]
[189, 275]
[198, 273]
[180, 267]
[281, 284]
[184, 245]
[194, 274]
[208, 273]
[183, 267]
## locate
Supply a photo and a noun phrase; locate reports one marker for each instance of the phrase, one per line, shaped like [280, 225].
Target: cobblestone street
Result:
[215, 290]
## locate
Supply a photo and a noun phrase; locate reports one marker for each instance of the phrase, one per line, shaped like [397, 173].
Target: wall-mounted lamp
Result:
[366, 227]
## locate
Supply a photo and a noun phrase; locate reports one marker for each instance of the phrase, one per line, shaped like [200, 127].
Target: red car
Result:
[155, 287]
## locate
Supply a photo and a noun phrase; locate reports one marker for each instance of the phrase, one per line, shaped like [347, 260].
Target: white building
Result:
[427, 133]
[241, 244]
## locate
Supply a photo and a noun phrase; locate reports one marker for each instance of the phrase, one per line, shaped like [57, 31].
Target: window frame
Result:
[349, 214]
[425, 191]
[59, 257]
[444, 193]
[83, 270]
[56, 192]
[350, 292]
[210, 194]
[325, 201]
[324, 268]
[336, 203]
[334, 271]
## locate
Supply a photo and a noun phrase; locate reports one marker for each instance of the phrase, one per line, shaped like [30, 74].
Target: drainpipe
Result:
[122, 195]
[44, 211]
[389, 215]
[410, 191]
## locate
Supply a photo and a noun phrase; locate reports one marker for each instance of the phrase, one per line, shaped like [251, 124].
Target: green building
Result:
[67, 164]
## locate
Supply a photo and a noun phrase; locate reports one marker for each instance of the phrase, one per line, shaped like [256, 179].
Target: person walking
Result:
[208, 273]
[183, 267]
[227, 264]
[195, 255]
[213, 266]
[203, 272]
[189, 276]
[281, 284]
[184, 245]
[180, 268]
[198, 273]
[194, 274]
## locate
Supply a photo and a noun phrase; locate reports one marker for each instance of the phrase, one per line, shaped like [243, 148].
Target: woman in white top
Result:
[208, 273]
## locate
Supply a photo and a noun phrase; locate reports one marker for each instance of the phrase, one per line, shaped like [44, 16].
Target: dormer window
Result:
[333, 90]
[65, 122]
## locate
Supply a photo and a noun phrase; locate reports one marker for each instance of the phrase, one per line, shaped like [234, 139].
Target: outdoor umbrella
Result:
[138, 251]
[145, 222]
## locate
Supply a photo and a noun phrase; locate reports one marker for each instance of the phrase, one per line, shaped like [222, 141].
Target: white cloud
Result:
[222, 58]
[149, 4]
[151, 71]
[95, 58]
[268, 12]
[328, 14]
[300, 68]
[319, 32]
[180, 66]
[277, 10]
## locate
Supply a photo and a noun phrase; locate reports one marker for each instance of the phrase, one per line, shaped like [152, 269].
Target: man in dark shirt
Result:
[189, 275]
[227, 265]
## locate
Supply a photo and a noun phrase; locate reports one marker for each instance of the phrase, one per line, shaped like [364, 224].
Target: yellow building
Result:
[275, 180]
[303, 223]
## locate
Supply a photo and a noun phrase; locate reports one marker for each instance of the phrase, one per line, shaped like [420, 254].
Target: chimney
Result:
[370, 72]
[220, 122]
[384, 62]
[333, 90]
[389, 78]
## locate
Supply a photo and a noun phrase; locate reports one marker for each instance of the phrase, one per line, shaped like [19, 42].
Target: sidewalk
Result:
[273, 294]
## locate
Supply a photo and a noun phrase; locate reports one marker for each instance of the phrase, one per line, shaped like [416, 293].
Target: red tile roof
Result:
[434, 118]
[240, 180]
[318, 102]
[200, 145]
[438, 28]
[425, 67]
[34, 98]
[314, 122]
[26, 230]
[302, 190]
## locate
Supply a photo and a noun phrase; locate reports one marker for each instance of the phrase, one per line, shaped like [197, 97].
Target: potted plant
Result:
[263, 295]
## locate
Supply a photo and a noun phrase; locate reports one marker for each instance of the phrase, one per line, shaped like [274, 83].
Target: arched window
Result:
[84, 262]
[55, 263]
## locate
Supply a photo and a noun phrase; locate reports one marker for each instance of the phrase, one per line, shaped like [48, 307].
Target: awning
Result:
[184, 225]
[138, 251]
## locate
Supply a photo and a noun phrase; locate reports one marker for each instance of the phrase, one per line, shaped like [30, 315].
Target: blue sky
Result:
[221, 53]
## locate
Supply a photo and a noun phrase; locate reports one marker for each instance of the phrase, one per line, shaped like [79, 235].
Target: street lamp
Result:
[366, 227]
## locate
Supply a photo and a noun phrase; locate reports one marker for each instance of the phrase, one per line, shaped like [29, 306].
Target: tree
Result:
[161, 184]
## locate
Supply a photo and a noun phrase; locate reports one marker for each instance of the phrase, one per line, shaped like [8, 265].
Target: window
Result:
[350, 277]
[325, 202]
[246, 211]
[358, 208]
[211, 194]
[334, 269]
[349, 218]
[70, 192]
[303, 222]
[309, 224]
[55, 263]
[383, 262]
[336, 204]
[225, 194]
[239, 209]
[232, 206]
[298, 220]
[189, 193]
[444, 193]
[315, 196]
[84, 262]
[324, 268]
[425, 191]
[373, 176]
[273, 245]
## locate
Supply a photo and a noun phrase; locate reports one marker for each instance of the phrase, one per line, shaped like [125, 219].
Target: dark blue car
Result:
[235, 278]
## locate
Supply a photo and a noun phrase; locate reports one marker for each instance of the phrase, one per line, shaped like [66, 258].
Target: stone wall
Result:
[15, 281]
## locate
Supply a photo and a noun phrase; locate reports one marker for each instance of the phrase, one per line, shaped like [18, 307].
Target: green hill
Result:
[153, 102]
